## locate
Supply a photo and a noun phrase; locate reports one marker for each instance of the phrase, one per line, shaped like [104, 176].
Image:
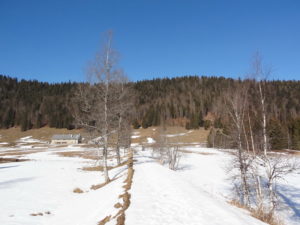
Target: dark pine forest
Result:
[190, 101]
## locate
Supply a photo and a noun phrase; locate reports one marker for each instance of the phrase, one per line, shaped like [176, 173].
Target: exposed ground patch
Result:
[18, 153]
[8, 160]
[82, 154]
[120, 216]
[200, 153]
[11, 135]
[258, 214]
[174, 135]
[101, 168]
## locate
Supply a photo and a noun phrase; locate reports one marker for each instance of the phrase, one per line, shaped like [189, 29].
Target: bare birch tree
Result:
[261, 74]
[235, 105]
[124, 112]
[97, 103]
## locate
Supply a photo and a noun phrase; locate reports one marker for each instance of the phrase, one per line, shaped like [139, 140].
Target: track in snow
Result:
[161, 196]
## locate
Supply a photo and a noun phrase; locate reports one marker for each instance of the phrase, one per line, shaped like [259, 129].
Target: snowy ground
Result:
[161, 196]
[46, 183]
[197, 193]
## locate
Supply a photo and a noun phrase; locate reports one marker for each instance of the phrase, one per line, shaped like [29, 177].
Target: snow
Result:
[178, 134]
[150, 140]
[162, 196]
[135, 136]
[197, 193]
[29, 139]
[46, 183]
[175, 135]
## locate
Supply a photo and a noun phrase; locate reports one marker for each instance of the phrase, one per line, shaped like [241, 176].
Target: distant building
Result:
[66, 139]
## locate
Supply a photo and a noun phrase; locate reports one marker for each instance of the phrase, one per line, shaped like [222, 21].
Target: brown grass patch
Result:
[97, 186]
[190, 136]
[18, 153]
[100, 168]
[268, 218]
[82, 154]
[118, 205]
[11, 135]
[105, 220]
[36, 214]
[126, 196]
[200, 153]
[95, 168]
[121, 219]
[77, 190]
[8, 160]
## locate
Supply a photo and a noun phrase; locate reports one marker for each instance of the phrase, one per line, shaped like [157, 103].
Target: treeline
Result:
[33, 104]
[195, 102]
[190, 101]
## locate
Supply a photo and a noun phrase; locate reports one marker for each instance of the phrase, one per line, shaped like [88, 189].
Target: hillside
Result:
[190, 101]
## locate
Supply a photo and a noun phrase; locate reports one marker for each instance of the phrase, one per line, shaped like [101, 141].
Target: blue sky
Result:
[53, 40]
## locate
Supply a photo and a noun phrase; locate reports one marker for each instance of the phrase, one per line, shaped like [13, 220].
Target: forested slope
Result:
[34, 104]
[190, 101]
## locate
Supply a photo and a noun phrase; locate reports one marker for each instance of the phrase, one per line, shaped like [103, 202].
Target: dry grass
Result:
[105, 220]
[120, 216]
[18, 153]
[100, 168]
[36, 214]
[121, 219]
[190, 136]
[95, 168]
[126, 196]
[11, 135]
[268, 218]
[118, 205]
[200, 153]
[83, 154]
[77, 190]
[8, 160]
[97, 186]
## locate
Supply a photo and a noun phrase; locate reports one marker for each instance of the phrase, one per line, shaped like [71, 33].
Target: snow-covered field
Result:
[197, 193]
[45, 185]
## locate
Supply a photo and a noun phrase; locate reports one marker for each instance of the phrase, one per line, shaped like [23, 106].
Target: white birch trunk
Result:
[264, 120]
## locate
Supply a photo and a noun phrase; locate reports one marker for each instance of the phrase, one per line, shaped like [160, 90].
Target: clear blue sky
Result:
[53, 40]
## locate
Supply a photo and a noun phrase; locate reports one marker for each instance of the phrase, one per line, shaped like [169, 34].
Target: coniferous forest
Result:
[190, 101]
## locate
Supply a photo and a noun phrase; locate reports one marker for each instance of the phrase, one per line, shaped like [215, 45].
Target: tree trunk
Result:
[264, 122]
[242, 168]
[246, 138]
[251, 135]
[118, 141]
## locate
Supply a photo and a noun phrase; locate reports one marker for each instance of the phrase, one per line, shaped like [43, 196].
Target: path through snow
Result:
[161, 196]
